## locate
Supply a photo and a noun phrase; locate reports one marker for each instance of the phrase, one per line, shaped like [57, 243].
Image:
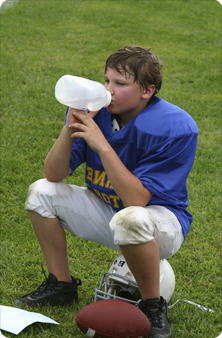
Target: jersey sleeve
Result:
[78, 154]
[164, 169]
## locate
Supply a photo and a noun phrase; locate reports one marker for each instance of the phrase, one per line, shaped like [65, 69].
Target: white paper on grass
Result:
[14, 320]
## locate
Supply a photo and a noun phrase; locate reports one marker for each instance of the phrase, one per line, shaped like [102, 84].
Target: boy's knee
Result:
[40, 196]
[42, 187]
[131, 226]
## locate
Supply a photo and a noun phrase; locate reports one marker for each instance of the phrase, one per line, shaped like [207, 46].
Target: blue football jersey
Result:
[158, 146]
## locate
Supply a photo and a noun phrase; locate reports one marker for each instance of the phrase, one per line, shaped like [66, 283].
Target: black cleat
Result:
[156, 312]
[52, 292]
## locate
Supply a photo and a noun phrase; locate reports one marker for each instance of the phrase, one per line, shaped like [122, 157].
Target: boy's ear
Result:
[147, 93]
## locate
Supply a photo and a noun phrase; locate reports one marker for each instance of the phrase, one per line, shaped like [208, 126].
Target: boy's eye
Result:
[118, 83]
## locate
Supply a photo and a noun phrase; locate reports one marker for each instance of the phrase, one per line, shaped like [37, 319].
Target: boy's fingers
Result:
[91, 113]
[81, 113]
[73, 109]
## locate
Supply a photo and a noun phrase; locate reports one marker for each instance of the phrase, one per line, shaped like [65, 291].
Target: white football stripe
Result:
[90, 333]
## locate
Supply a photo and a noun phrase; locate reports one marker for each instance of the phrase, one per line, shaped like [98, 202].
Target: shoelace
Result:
[45, 287]
[155, 317]
[153, 313]
[49, 285]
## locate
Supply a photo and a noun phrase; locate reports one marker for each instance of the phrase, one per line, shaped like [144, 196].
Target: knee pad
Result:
[40, 195]
[132, 226]
[42, 186]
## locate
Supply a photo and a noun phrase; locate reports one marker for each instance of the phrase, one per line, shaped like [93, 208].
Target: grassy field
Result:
[43, 40]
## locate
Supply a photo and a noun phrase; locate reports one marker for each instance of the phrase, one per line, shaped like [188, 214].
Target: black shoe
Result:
[52, 292]
[156, 312]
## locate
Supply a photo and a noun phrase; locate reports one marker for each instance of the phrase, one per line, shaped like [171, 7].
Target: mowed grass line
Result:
[43, 40]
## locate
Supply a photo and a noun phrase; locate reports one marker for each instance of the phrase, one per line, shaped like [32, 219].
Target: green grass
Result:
[43, 40]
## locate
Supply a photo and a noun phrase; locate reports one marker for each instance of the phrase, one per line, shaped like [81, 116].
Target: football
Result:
[112, 318]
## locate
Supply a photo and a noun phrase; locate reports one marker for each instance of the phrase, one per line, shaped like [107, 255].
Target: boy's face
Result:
[128, 98]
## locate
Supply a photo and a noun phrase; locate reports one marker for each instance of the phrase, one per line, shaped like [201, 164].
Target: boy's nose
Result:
[109, 88]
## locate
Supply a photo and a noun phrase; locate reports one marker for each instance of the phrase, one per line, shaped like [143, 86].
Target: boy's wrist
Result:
[68, 132]
[104, 150]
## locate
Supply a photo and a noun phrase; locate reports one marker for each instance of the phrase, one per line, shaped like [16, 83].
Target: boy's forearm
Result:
[127, 186]
[56, 166]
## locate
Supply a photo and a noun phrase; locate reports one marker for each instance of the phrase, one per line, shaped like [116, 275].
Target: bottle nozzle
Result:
[109, 98]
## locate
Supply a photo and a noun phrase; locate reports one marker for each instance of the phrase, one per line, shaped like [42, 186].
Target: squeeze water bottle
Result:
[80, 93]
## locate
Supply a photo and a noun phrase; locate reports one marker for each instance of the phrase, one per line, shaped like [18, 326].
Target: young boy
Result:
[138, 153]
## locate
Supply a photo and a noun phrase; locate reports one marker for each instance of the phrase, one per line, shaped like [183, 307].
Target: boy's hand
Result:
[85, 127]
[71, 118]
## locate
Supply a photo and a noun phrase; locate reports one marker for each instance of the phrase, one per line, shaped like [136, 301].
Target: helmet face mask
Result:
[117, 287]
[119, 282]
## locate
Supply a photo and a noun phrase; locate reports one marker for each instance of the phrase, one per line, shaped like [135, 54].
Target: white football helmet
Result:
[119, 282]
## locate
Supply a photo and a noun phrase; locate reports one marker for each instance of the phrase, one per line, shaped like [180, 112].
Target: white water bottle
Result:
[80, 93]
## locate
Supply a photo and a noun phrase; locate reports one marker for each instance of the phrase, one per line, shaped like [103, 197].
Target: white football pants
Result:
[82, 213]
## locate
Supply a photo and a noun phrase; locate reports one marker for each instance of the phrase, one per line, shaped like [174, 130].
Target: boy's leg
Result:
[60, 287]
[143, 261]
[52, 240]
[146, 235]
[52, 207]
[78, 210]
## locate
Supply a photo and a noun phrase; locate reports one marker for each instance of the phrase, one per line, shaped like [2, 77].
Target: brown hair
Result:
[140, 63]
